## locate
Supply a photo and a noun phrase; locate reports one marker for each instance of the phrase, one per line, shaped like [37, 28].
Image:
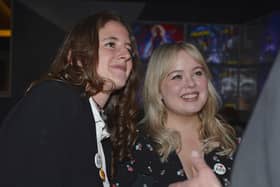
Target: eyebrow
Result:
[180, 71]
[116, 39]
[175, 71]
[110, 38]
[199, 67]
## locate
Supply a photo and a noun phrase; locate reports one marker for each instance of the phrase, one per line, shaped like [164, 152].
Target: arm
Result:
[32, 139]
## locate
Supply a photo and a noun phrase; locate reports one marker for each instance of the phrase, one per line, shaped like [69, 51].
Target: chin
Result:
[119, 85]
[118, 82]
[191, 111]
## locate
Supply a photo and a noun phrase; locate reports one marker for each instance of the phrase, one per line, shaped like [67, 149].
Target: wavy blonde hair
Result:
[214, 132]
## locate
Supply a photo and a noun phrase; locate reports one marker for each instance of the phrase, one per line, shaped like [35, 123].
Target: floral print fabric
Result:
[146, 169]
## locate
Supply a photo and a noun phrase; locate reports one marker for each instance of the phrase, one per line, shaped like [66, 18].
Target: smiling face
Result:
[115, 62]
[184, 89]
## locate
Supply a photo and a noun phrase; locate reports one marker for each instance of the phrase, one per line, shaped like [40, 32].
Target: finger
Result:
[198, 161]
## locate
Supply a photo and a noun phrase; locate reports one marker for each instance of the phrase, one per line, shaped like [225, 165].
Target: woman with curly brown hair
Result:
[56, 135]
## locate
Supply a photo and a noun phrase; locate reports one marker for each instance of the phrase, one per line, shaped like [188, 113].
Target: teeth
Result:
[189, 96]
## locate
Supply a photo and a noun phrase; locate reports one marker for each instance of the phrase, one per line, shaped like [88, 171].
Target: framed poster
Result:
[247, 88]
[150, 35]
[218, 43]
[229, 86]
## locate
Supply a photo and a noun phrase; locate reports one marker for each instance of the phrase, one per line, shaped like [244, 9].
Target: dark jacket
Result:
[49, 140]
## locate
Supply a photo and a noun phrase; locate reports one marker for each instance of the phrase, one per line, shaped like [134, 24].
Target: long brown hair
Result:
[76, 64]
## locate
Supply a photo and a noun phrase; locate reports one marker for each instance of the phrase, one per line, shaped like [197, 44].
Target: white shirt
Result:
[101, 133]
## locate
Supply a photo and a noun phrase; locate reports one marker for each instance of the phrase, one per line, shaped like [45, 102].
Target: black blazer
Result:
[49, 140]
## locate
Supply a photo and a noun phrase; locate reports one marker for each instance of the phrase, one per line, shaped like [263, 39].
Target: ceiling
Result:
[234, 11]
[204, 11]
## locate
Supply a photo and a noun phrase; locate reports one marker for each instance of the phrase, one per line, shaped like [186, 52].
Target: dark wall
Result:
[36, 39]
[34, 44]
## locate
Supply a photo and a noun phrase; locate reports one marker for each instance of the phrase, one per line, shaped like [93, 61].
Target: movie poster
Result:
[218, 43]
[229, 86]
[247, 88]
[216, 73]
[148, 37]
[262, 44]
[151, 35]
[270, 38]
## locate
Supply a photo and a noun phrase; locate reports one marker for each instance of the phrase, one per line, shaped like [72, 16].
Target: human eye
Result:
[176, 76]
[110, 44]
[199, 72]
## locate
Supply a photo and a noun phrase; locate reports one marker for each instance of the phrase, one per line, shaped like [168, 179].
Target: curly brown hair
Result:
[76, 64]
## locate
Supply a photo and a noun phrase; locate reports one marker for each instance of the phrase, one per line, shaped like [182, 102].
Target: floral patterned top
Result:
[221, 165]
[147, 170]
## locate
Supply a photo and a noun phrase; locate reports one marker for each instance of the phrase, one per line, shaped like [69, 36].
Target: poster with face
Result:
[150, 35]
[229, 86]
[247, 88]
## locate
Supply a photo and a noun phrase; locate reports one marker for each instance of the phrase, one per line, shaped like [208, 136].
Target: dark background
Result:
[38, 27]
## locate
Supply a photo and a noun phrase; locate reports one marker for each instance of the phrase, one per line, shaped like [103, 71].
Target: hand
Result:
[203, 177]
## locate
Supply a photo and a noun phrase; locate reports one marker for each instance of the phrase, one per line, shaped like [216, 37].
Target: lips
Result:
[190, 96]
[119, 67]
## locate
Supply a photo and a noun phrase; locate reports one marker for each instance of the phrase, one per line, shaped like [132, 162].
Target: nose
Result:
[124, 53]
[190, 82]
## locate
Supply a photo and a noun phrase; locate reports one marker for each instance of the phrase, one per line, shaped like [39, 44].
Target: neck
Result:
[183, 123]
[101, 99]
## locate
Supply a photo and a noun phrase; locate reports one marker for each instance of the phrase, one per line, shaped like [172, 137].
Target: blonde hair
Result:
[214, 132]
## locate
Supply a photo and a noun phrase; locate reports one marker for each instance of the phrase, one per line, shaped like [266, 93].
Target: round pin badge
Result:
[220, 169]
[98, 160]
[102, 174]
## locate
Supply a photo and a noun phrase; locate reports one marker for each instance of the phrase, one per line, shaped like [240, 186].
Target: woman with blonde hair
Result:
[181, 117]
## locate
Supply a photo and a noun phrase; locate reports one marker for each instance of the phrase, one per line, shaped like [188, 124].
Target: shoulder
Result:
[144, 147]
[48, 98]
[54, 88]
[146, 167]
[165, 172]
[54, 93]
